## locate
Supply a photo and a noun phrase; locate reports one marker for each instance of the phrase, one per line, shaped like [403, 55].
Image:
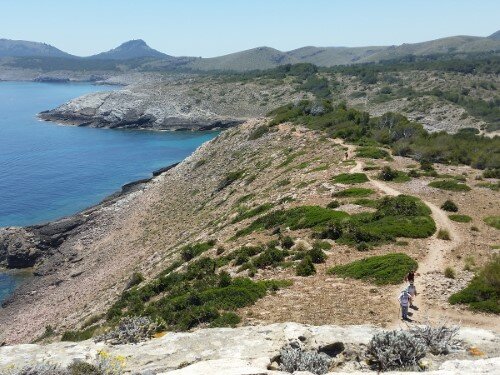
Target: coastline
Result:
[62, 227]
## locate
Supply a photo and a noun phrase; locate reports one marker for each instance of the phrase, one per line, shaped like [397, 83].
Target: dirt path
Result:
[432, 263]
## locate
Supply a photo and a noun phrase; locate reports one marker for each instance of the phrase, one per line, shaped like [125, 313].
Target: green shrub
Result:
[443, 234]
[365, 202]
[351, 178]
[493, 221]
[305, 267]
[229, 179]
[189, 252]
[354, 192]
[389, 174]
[294, 218]
[426, 165]
[259, 132]
[317, 255]
[228, 319]
[460, 218]
[451, 185]
[382, 270]
[253, 212]
[483, 292]
[333, 204]
[449, 206]
[287, 242]
[371, 152]
[79, 335]
[449, 273]
[269, 258]
[492, 173]
[135, 279]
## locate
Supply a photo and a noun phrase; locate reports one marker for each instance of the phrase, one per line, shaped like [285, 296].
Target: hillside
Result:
[22, 48]
[133, 49]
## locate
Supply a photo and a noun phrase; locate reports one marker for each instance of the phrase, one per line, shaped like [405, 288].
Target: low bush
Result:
[258, 132]
[287, 242]
[439, 340]
[354, 192]
[382, 270]
[493, 221]
[492, 173]
[253, 212]
[365, 202]
[189, 252]
[305, 267]
[333, 204]
[269, 258]
[81, 335]
[351, 178]
[483, 292]
[449, 206]
[372, 153]
[317, 255]
[131, 330]
[393, 350]
[294, 218]
[449, 273]
[228, 319]
[389, 174]
[295, 359]
[460, 218]
[443, 234]
[451, 185]
[229, 179]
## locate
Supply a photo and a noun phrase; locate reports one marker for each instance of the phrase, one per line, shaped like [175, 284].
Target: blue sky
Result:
[215, 27]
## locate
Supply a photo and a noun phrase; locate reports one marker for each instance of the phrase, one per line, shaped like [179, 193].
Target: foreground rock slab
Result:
[238, 351]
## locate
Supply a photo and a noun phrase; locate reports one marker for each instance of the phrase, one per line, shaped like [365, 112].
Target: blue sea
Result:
[48, 171]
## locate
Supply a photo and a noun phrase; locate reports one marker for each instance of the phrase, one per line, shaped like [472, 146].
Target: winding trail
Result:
[432, 263]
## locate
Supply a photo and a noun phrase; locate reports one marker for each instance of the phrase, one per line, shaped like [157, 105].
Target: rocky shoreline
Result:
[25, 247]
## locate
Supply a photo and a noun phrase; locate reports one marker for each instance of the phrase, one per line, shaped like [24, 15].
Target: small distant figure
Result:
[404, 301]
[412, 290]
[411, 276]
[346, 155]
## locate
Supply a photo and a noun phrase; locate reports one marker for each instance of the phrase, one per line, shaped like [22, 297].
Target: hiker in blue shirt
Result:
[404, 300]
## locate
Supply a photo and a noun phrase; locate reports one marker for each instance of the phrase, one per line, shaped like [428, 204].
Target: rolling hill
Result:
[23, 48]
[132, 49]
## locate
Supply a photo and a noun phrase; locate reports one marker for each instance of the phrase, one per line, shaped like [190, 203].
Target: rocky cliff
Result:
[193, 103]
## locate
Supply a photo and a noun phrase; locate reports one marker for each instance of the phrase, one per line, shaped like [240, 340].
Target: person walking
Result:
[404, 301]
[412, 290]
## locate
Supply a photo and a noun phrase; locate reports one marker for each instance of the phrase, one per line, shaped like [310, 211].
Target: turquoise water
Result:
[9, 281]
[48, 171]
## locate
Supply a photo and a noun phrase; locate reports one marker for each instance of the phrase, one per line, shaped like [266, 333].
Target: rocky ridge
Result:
[251, 351]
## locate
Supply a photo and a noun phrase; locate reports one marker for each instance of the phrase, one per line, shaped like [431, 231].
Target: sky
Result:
[216, 27]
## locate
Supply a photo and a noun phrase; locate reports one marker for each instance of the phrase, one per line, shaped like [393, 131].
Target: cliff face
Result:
[181, 104]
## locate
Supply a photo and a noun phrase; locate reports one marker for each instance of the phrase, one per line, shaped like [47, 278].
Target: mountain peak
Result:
[132, 49]
[495, 35]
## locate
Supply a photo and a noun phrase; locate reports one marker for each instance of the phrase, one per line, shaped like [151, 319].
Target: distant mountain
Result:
[255, 58]
[330, 56]
[454, 44]
[23, 48]
[252, 59]
[495, 36]
[132, 49]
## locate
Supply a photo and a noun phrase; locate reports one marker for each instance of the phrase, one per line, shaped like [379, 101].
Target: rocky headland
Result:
[172, 103]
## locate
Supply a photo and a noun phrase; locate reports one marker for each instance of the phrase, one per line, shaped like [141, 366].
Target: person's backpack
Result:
[412, 289]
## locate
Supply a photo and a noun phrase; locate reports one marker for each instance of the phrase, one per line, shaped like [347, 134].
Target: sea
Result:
[48, 171]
